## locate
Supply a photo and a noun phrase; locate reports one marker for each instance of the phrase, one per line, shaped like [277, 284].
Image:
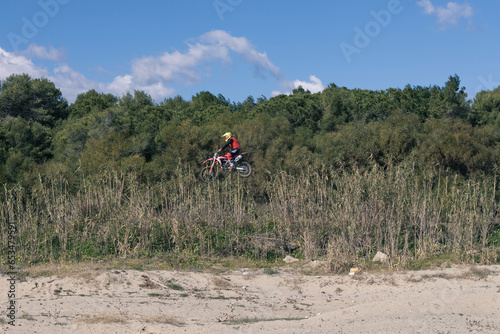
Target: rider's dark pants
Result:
[233, 153]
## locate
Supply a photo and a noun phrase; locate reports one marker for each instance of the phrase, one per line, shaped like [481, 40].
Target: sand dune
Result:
[451, 300]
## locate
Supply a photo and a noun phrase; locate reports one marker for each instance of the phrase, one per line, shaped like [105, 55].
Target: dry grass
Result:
[245, 321]
[122, 319]
[221, 283]
[475, 272]
[103, 319]
[343, 216]
[163, 319]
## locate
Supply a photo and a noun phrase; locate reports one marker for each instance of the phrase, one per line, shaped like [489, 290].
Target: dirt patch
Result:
[455, 300]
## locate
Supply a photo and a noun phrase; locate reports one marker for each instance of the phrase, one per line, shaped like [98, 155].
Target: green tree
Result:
[32, 140]
[23, 145]
[91, 102]
[486, 108]
[454, 98]
[137, 101]
[456, 145]
[360, 143]
[205, 107]
[177, 106]
[300, 109]
[335, 109]
[35, 100]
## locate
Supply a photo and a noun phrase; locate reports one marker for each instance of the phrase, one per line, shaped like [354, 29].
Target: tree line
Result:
[42, 135]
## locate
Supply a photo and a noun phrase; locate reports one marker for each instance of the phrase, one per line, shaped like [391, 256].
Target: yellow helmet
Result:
[227, 135]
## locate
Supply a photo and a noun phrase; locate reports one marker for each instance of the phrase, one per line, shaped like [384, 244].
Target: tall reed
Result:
[346, 216]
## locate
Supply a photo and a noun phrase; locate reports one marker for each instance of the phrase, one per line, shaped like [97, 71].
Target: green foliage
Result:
[35, 100]
[300, 109]
[486, 108]
[137, 101]
[91, 102]
[105, 154]
[454, 99]
[429, 127]
[32, 140]
[336, 108]
[70, 140]
[16, 165]
[457, 145]
[344, 173]
[176, 105]
[351, 145]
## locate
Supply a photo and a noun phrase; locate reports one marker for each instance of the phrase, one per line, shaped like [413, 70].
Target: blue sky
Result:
[239, 48]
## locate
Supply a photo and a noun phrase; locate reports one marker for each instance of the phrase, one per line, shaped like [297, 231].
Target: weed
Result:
[270, 271]
[103, 319]
[174, 286]
[155, 295]
[480, 273]
[163, 319]
[245, 321]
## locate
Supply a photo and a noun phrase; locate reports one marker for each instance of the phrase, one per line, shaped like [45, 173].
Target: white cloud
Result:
[187, 68]
[447, 16]
[156, 75]
[125, 83]
[121, 84]
[71, 83]
[427, 5]
[15, 64]
[37, 51]
[315, 85]
[242, 46]
[453, 13]
[157, 90]
[176, 67]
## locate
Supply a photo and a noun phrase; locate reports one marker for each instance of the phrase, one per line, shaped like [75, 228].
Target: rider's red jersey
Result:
[234, 144]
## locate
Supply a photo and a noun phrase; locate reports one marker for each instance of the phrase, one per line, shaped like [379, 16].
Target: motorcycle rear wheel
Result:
[244, 169]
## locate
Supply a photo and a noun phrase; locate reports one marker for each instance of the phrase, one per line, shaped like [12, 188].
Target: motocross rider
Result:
[235, 148]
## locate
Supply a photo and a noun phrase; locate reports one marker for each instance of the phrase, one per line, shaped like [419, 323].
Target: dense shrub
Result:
[333, 172]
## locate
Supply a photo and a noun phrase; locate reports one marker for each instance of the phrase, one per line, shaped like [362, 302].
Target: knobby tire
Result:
[247, 169]
[206, 176]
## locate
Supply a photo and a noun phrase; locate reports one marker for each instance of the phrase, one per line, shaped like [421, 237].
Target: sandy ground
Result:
[452, 300]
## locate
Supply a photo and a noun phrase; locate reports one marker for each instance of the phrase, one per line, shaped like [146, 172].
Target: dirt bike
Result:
[217, 164]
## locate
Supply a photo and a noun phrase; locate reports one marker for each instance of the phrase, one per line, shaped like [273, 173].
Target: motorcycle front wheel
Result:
[206, 176]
